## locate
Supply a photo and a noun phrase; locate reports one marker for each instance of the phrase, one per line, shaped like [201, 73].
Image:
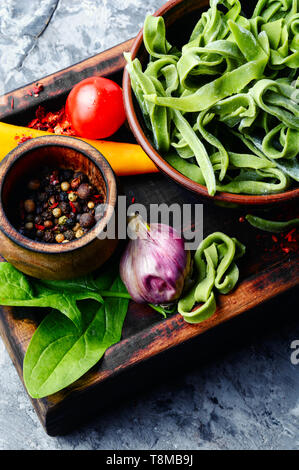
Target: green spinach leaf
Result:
[59, 353]
[16, 289]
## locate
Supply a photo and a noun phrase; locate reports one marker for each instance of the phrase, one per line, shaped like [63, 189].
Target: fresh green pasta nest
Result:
[224, 109]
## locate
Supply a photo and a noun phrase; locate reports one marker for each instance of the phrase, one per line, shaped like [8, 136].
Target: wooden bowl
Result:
[180, 18]
[47, 260]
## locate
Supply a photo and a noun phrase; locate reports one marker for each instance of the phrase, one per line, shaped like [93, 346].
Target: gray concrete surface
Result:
[245, 398]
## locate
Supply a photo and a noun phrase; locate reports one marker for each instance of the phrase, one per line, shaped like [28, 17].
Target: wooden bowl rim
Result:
[88, 151]
[165, 167]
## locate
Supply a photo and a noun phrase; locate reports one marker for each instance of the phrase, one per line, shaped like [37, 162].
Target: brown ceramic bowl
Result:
[180, 18]
[53, 260]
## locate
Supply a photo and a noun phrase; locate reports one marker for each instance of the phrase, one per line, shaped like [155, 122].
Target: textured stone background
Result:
[245, 398]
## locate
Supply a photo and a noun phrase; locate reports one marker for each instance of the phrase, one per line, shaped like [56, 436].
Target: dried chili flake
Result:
[37, 89]
[274, 238]
[74, 210]
[33, 124]
[54, 205]
[133, 200]
[29, 92]
[39, 227]
[24, 138]
[12, 103]
[54, 122]
[286, 249]
[289, 236]
[96, 197]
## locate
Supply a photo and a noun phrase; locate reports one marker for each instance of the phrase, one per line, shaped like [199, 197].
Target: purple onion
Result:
[154, 266]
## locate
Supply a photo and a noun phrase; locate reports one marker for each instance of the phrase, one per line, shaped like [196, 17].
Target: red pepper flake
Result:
[33, 123]
[133, 200]
[12, 104]
[289, 236]
[97, 198]
[29, 92]
[54, 180]
[241, 219]
[24, 138]
[286, 249]
[54, 205]
[37, 89]
[39, 227]
[54, 122]
[274, 238]
[74, 210]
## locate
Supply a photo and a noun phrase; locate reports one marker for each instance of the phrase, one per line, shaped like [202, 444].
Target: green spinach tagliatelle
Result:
[215, 270]
[227, 102]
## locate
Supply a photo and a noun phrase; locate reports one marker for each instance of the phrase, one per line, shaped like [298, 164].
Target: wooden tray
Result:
[126, 366]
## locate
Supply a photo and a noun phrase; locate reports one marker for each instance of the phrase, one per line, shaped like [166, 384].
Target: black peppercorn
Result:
[70, 223]
[84, 191]
[47, 214]
[63, 196]
[39, 209]
[87, 220]
[81, 176]
[48, 237]
[65, 207]
[69, 235]
[39, 233]
[49, 190]
[42, 197]
[51, 209]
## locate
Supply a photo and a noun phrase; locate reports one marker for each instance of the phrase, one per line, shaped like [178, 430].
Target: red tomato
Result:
[95, 108]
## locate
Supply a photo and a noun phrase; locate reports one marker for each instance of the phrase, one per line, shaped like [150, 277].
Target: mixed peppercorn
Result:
[58, 207]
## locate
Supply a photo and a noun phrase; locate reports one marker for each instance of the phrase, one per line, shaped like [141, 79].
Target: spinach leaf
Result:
[104, 278]
[85, 284]
[13, 285]
[59, 353]
[16, 289]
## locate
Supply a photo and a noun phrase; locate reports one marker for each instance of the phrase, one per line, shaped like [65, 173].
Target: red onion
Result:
[154, 266]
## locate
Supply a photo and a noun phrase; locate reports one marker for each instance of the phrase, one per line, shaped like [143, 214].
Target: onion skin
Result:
[154, 267]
